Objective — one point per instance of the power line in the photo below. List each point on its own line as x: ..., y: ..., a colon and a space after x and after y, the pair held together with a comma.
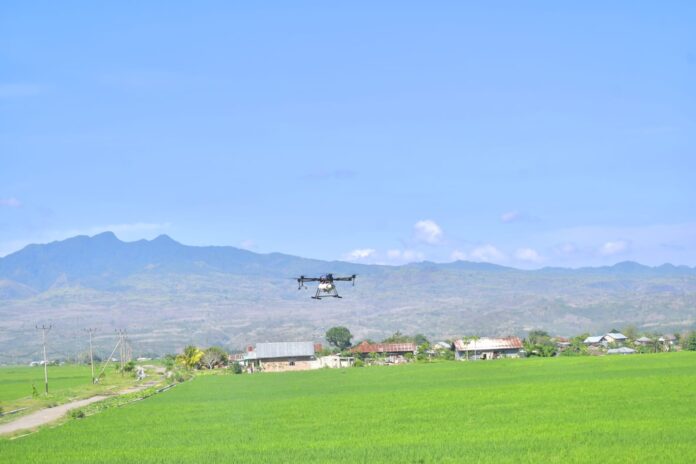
x: 106, y: 363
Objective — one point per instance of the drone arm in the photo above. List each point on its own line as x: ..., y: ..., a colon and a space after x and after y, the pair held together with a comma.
x: 346, y: 279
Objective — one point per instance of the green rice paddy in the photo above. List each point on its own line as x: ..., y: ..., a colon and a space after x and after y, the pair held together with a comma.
x: 622, y: 409
x: 16, y: 382
x: 66, y: 382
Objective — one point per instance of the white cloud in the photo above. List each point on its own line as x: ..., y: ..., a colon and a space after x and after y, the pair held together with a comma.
x: 10, y: 202
x: 428, y: 231
x: 487, y: 253
x: 566, y: 249
x: 510, y: 216
x: 247, y: 244
x: 527, y: 254
x: 128, y: 231
x: 394, y: 254
x: 613, y: 248
x: 360, y: 254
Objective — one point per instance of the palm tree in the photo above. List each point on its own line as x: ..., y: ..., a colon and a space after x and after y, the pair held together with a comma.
x: 465, y: 342
x: 474, y: 338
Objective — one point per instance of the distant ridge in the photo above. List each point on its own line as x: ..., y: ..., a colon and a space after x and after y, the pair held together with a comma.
x: 89, y: 260
x: 168, y: 294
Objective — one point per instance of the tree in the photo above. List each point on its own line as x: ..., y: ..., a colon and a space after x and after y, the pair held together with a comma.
x: 214, y: 356
x: 538, y: 337
x: 465, y: 340
x: 538, y: 343
x: 190, y: 357
x: 424, y: 352
x: 398, y: 337
x: 129, y: 366
x: 631, y: 332
x: 690, y: 342
x: 339, y: 337
x: 474, y: 339
x: 420, y: 339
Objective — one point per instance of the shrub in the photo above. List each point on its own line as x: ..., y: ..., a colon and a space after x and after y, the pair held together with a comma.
x: 129, y: 367
x: 690, y: 342
x: 237, y: 368
x: 358, y: 363
x: 77, y: 414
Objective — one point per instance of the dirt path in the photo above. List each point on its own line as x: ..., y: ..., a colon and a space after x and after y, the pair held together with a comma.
x: 44, y: 416
x: 48, y: 415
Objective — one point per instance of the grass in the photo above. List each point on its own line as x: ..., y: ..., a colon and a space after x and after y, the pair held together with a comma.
x: 66, y: 382
x: 628, y: 409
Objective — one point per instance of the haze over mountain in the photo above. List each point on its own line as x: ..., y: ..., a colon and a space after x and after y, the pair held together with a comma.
x: 168, y: 295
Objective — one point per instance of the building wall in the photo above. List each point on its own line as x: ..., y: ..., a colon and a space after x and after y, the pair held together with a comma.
x: 488, y: 354
x: 286, y: 365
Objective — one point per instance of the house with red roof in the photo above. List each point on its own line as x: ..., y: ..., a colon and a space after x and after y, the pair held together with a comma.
x: 391, y: 352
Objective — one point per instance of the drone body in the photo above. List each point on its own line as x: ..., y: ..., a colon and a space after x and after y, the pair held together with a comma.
x: 326, y: 287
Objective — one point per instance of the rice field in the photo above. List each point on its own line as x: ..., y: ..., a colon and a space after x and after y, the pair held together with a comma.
x: 625, y: 409
x: 65, y: 382
x: 16, y: 382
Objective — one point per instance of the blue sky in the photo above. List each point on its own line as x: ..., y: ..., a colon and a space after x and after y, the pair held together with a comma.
x: 528, y: 135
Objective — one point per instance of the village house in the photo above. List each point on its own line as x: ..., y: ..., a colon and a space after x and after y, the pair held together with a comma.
x: 615, y: 337
x: 440, y: 346
x: 643, y: 341
x: 622, y: 350
x: 561, y: 343
x: 394, y: 353
x: 487, y: 348
x: 604, y: 340
x: 335, y: 361
x: 594, y: 340
x: 668, y: 339
x: 281, y: 356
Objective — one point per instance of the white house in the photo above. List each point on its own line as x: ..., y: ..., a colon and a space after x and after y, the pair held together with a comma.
x: 615, y: 337
x: 488, y: 348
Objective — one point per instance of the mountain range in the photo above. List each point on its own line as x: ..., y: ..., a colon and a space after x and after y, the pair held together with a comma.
x: 167, y: 295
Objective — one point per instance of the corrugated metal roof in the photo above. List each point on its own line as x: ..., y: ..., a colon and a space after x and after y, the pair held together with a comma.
x: 616, y: 335
x: 622, y: 350
x: 644, y: 340
x: 282, y: 350
x: 596, y: 339
x: 487, y: 344
x: 365, y: 347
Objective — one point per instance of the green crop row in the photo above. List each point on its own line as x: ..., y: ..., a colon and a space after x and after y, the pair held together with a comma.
x: 627, y: 409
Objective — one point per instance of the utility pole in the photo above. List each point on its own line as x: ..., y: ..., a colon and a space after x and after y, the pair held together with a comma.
x: 91, y: 356
x: 44, y: 330
x: 122, y: 352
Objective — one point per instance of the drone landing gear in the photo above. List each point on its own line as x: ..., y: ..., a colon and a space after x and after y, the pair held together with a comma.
x: 332, y: 294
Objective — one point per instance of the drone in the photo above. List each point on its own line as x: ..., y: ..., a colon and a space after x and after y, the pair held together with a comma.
x: 326, y: 287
